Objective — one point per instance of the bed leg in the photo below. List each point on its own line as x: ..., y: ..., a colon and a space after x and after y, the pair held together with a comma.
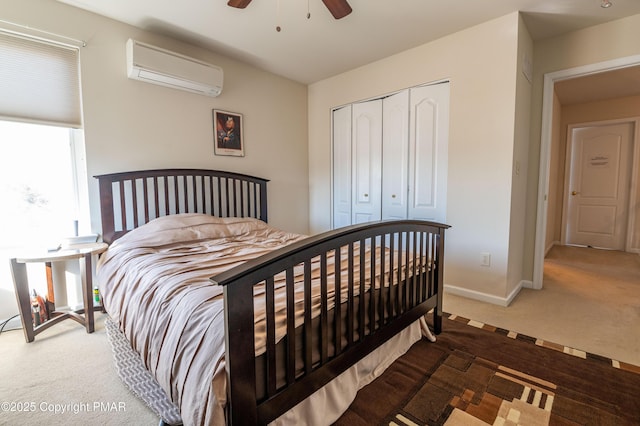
x: 437, y: 322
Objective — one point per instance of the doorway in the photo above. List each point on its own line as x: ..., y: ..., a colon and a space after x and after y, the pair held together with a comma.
x: 547, y: 136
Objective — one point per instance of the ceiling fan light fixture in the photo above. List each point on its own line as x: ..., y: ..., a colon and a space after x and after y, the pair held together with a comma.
x: 338, y: 8
x: 606, y: 4
x: 240, y: 4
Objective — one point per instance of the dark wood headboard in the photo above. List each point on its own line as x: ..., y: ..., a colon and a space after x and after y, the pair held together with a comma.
x: 131, y: 199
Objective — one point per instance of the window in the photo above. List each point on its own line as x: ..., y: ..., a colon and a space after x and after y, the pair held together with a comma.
x: 39, y: 83
x: 37, y: 184
x: 42, y: 168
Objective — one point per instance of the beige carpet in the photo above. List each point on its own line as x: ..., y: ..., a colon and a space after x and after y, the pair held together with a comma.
x: 590, y: 301
x: 65, y: 377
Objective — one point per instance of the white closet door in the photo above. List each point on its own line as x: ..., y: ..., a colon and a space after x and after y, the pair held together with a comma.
x: 395, y: 155
x: 429, y: 138
x: 342, y: 167
x: 366, y: 142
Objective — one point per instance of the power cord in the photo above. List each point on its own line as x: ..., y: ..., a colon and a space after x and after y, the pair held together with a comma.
x: 7, y: 321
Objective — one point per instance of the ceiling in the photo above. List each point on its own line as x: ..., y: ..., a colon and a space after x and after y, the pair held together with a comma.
x: 309, y: 50
x: 595, y: 87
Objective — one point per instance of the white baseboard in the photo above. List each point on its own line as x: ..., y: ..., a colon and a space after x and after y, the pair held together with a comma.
x: 526, y: 284
x: 488, y: 298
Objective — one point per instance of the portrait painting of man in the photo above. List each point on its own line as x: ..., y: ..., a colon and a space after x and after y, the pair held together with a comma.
x: 227, y: 133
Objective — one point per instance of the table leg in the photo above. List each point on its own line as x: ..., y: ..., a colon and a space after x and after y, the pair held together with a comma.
x: 50, y: 301
x: 21, y: 284
x: 87, y: 291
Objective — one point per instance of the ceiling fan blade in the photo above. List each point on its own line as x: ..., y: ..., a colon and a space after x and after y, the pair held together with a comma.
x: 338, y: 8
x: 240, y: 4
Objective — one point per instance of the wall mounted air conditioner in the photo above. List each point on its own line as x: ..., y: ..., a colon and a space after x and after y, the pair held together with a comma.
x: 160, y: 66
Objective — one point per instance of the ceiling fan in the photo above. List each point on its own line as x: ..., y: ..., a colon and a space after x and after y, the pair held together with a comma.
x: 338, y: 8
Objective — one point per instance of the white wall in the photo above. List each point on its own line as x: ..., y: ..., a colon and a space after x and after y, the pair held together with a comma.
x: 520, y: 152
x: 481, y: 63
x: 131, y: 125
x: 556, y: 179
x: 134, y: 125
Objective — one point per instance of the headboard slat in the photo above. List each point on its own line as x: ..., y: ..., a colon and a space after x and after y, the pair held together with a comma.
x: 176, y: 194
x: 134, y: 202
x: 235, y: 193
x: 145, y: 190
x: 123, y: 208
x: 202, y: 195
x: 227, y: 197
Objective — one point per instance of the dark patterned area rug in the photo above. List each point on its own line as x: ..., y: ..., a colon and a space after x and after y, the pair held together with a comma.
x: 476, y: 374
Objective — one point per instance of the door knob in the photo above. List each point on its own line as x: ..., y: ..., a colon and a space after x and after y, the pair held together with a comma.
x: 574, y: 193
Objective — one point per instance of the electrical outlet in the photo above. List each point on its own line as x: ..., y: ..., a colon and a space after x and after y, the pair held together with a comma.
x: 485, y: 259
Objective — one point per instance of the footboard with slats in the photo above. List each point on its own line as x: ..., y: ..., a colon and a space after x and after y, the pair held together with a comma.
x: 385, y: 276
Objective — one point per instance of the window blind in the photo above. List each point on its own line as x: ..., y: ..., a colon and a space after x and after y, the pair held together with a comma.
x: 39, y: 81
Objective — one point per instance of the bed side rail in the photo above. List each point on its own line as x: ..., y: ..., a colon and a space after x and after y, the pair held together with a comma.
x: 390, y: 275
x: 131, y: 199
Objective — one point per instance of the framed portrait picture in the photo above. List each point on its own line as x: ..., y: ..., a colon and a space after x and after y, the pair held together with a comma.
x: 227, y: 133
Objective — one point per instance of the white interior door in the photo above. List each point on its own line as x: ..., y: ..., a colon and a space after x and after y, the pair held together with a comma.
x: 597, y: 194
x: 342, y: 167
x: 428, y: 152
x: 395, y: 155
x: 366, y: 143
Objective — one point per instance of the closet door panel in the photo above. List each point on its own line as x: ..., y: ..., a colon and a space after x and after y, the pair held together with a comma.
x: 366, y: 144
x: 395, y: 155
x: 342, y: 167
x: 429, y: 134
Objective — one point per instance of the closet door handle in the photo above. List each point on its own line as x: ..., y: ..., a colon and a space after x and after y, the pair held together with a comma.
x: 366, y: 195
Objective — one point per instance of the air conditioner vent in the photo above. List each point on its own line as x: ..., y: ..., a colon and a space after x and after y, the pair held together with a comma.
x: 160, y: 66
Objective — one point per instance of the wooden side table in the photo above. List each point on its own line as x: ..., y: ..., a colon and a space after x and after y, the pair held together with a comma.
x: 83, y: 252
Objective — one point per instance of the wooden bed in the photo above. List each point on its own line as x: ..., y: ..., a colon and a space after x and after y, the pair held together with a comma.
x: 399, y: 282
